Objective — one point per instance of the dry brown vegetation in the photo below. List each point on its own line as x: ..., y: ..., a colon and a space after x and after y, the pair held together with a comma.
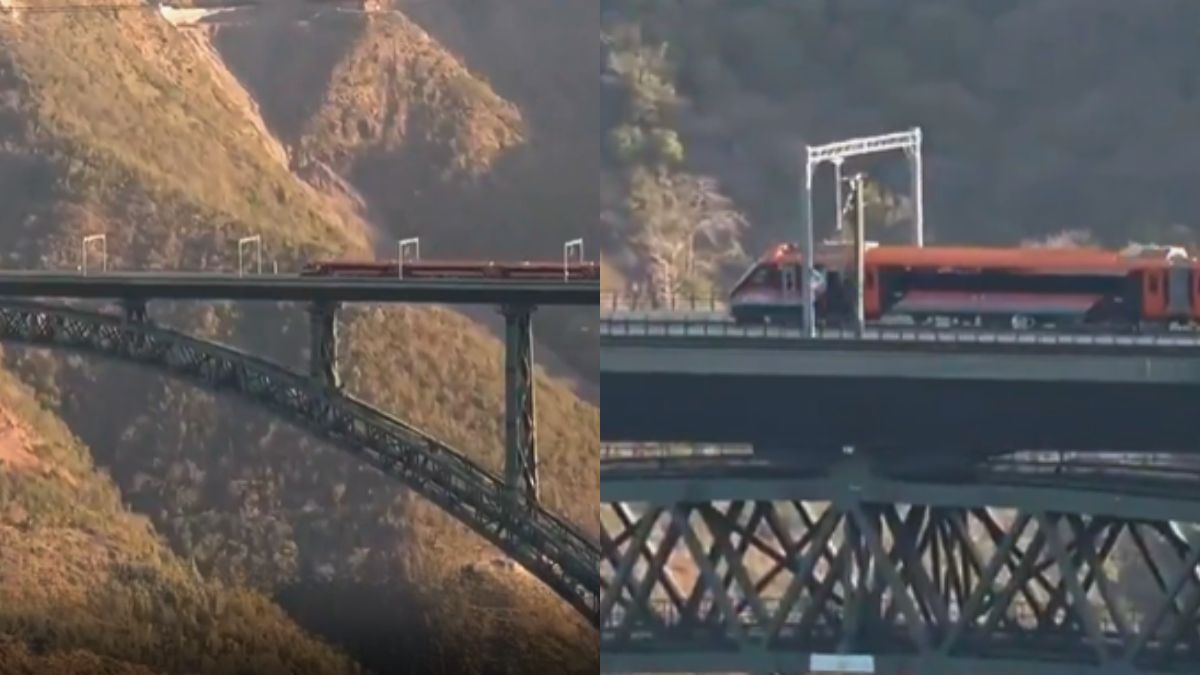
x: 610, y: 278
x: 399, y: 90
x: 84, y: 583
x: 127, y: 128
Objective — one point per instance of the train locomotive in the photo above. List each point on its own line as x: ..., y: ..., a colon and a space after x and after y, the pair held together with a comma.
x: 1143, y: 287
x: 455, y: 269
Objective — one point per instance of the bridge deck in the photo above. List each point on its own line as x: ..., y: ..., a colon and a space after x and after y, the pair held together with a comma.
x: 970, y: 390
x: 281, y: 287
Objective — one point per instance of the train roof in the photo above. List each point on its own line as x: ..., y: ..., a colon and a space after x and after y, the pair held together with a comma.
x: 457, y: 263
x: 981, y: 256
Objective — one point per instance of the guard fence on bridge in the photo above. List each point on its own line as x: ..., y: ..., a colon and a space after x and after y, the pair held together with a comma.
x: 685, y: 317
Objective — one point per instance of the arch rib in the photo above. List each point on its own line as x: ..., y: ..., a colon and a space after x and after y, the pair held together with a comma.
x: 547, y: 546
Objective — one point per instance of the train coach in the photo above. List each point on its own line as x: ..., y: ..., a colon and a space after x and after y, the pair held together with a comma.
x: 446, y: 269
x: 1138, y: 288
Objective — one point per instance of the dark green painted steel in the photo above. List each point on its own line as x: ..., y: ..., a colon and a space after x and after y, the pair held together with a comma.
x: 1125, y: 494
x: 550, y: 548
x: 928, y: 577
x: 293, y: 288
x: 943, y: 360
x: 520, y: 420
x: 323, y: 348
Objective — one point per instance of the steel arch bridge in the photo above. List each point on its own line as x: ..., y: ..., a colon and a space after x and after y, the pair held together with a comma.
x: 551, y: 549
x: 1010, y: 571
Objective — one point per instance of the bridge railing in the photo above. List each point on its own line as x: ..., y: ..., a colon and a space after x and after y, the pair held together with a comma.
x: 684, y: 325
x: 617, y: 451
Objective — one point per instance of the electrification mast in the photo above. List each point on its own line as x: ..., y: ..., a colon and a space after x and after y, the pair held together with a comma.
x: 836, y: 153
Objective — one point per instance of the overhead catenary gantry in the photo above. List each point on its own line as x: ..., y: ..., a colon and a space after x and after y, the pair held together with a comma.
x: 413, y: 245
x: 83, y: 252
x: 255, y: 241
x: 836, y: 153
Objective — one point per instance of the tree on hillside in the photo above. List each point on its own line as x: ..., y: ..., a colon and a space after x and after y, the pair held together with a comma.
x: 684, y: 228
x: 679, y: 224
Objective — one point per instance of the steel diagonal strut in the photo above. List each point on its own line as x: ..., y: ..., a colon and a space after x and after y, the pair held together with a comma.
x: 953, y: 588
x: 546, y: 545
x: 520, y: 427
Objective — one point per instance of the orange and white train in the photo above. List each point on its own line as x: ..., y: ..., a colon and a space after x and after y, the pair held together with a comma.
x: 1141, y: 287
x: 456, y: 269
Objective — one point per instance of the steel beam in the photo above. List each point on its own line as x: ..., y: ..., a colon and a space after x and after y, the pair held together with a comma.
x: 323, y: 344
x: 905, y: 587
x: 520, y: 423
x: 552, y: 549
x: 1155, y: 494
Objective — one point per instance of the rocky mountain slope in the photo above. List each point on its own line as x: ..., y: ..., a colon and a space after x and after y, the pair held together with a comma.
x: 404, y: 117
x: 135, y: 128
x: 85, y: 583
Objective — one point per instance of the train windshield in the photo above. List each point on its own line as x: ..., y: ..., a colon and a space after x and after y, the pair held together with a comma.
x: 760, y: 275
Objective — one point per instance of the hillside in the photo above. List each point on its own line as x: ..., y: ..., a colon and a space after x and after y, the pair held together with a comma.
x: 86, y: 583
x: 1039, y: 115
x: 135, y: 129
x: 502, y: 169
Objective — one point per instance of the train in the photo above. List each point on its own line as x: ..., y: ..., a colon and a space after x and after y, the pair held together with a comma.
x: 455, y: 269
x: 1139, y: 288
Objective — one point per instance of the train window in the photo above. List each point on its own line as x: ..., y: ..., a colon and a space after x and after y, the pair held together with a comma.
x: 870, y: 279
x: 1153, y: 285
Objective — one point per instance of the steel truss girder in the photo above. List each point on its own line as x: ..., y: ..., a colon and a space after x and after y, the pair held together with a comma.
x: 520, y: 427
x: 971, y: 589
x: 323, y: 347
x: 549, y: 547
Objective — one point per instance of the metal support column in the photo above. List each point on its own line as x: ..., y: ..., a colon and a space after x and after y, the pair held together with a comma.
x: 860, y: 252
x: 520, y: 430
x: 837, y: 197
x: 323, y: 342
x: 806, y: 283
x: 918, y: 189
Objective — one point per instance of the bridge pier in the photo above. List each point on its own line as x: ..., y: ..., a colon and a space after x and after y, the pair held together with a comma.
x: 520, y: 426
x: 323, y: 338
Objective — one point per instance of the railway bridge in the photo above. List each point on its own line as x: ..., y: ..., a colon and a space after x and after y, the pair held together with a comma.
x: 897, y: 500
x: 504, y: 510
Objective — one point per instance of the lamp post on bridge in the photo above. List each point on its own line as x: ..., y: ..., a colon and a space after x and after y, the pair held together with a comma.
x: 908, y: 141
x: 857, y: 182
x: 242, y: 243
x: 83, y: 262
